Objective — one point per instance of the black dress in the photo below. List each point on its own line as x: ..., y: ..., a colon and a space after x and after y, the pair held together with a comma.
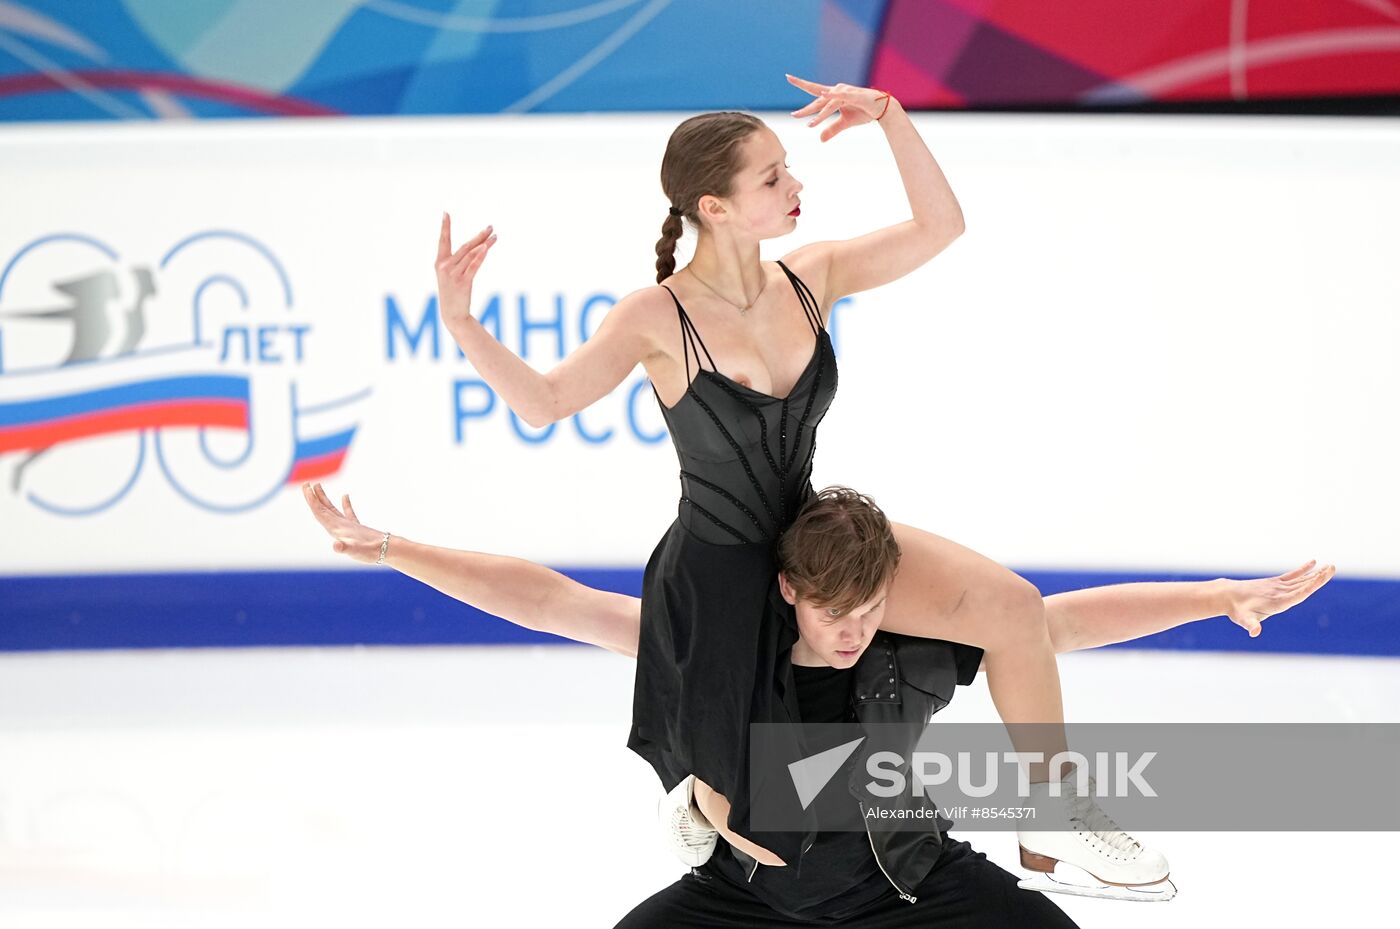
x: 716, y: 637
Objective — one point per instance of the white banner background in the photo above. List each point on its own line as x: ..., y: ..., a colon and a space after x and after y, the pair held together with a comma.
x: 1163, y: 343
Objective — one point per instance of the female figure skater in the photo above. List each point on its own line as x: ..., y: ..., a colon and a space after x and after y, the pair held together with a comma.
x: 840, y: 551
x: 741, y: 363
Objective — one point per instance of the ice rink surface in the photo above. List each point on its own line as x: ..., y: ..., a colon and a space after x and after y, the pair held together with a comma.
x: 490, y: 786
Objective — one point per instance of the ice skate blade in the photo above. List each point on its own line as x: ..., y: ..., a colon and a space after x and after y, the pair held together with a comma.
x: 1160, y: 892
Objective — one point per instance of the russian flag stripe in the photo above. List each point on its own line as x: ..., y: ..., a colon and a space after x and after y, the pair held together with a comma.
x: 231, y: 414
x: 309, y: 469
x: 185, y: 389
x: 317, y: 448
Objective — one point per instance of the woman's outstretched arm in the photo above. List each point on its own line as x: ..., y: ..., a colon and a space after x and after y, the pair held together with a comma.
x: 885, y: 255
x: 622, y: 341
x: 521, y: 592
x: 1122, y: 612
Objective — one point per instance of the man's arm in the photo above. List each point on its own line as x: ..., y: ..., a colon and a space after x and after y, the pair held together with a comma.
x: 1098, y: 616
x: 521, y: 592
x: 1123, y: 612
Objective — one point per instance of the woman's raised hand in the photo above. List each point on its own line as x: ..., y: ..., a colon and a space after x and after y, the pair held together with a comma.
x: 858, y: 105
x: 1252, y: 602
x: 455, y: 271
x: 352, y: 538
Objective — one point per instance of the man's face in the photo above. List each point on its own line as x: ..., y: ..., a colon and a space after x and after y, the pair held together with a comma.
x: 829, y: 637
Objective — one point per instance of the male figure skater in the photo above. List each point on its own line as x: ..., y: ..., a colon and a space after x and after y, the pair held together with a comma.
x: 836, y: 562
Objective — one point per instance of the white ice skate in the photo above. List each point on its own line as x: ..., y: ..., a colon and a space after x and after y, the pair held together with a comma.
x: 684, y: 827
x: 1085, y: 853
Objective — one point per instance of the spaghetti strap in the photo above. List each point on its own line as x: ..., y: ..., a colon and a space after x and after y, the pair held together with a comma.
x: 810, y: 307
x: 691, y: 343
x: 690, y: 339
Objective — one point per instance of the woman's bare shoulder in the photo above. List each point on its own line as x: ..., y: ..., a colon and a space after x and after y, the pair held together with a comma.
x: 810, y: 263
x: 649, y: 311
x: 646, y: 305
x: 813, y: 258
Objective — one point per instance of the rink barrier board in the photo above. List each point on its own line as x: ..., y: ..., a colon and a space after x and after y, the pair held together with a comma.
x: 375, y: 607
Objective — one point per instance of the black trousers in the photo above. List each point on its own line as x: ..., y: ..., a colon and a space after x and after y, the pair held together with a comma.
x: 964, y: 890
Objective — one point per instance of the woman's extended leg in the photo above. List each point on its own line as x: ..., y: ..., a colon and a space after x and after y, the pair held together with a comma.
x: 715, y: 808
x: 946, y: 591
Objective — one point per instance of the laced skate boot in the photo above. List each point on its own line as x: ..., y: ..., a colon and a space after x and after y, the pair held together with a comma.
x: 684, y: 828
x: 1104, y: 860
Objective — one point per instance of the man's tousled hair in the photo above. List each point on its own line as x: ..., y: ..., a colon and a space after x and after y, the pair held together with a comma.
x: 840, y: 551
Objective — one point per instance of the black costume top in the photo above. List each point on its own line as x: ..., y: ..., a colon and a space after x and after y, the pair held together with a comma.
x: 848, y: 874
x: 712, y: 639
x: 746, y: 456
x: 837, y: 876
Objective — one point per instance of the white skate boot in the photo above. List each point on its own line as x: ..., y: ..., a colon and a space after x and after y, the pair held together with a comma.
x: 684, y: 828
x: 1095, y: 858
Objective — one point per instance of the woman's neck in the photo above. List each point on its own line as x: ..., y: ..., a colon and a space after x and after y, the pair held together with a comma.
x: 731, y: 268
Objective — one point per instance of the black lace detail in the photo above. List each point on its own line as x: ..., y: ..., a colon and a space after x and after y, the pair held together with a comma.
x: 743, y: 459
x: 782, y: 432
x: 773, y: 465
x: 714, y: 519
x: 768, y: 516
x: 807, y: 410
x: 806, y: 470
x: 737, y: 503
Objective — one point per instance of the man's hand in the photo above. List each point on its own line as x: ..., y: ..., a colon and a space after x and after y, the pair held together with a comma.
x: 1252, y: 602
x: 352, y: 538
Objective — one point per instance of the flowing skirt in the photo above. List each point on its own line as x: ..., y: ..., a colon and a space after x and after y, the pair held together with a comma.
x: 714, y: 655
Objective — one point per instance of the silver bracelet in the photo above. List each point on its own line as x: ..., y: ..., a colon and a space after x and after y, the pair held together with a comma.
x: 383, y: 549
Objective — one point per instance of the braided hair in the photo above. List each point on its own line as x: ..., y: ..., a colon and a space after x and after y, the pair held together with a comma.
x: 702, y: 157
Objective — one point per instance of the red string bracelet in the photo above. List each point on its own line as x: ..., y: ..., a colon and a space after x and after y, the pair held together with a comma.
x: 887, y: 103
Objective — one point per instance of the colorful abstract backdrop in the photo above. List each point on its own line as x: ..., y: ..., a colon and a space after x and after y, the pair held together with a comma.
x: 151, y: 59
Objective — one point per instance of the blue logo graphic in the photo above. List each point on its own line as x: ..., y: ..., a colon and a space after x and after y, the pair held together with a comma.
x: 197, y: 364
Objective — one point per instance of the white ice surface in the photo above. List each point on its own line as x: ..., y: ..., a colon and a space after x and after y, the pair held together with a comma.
x: 490, y: 786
